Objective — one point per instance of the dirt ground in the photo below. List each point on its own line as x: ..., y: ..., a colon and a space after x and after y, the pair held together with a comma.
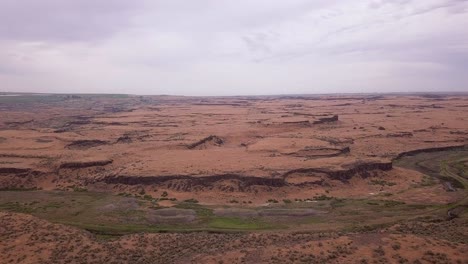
x: 237, y: 145
x: 25, y: 239
x: 223, y: 152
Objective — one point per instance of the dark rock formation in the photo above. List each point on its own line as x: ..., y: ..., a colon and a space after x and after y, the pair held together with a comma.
x: 315, y: 152
x: 326, y: 120
x: 400, y: 134
x: 217, y: 141
x: 435, y: 149
x: 187, y: 183
x: 14, y: 170
x: 236, y: 182
x: 301, y: 123
x: 84, y: 164
x: 344, y: 175
x: 85, y: 144
x: 124, y: 139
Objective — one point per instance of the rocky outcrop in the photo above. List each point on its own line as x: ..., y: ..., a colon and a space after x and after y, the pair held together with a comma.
x: 225, y: 182
x: 14, y: 170
x: 15, y: 174
x: 84, y: 164
x: 312, y: 153
x: 344, y: 175
x: 85, y: 144
x: 300, y: 123
x: 435, y: 149
x: 400, y: 134
x: 125, y: 139
x: 324, y: 120
x: 214, y: 140
x: 236, y: 182
x: 17, y: 123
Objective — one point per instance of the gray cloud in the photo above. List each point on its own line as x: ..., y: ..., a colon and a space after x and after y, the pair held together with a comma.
x: 212, y: 47
x: 67, y: 20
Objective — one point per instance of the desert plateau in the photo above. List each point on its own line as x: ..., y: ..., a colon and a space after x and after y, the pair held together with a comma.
x: 354, y: 178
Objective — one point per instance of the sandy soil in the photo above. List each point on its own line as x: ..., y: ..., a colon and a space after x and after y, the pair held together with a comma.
x: 26, y: 239
x: 165, y: 143
x: 247, y: 150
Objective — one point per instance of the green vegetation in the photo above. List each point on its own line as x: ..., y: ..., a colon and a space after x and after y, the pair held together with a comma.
x: 238, y: 223
x: 322, y: 197
x: 16, y: 189
x: 192, y: 200
x: 79, y: 189
x: 147, y: 197
x: 107, y: 215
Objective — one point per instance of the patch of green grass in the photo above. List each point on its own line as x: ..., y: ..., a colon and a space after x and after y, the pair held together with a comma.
x: 322, y: 197
x: 391, y: 203
x: 337, y: 203
x: 192, y: 200
x: 427, y: 181
x: 79, y: 189
x: 202, y: 212
x: 237, y: 223
x: 17, y: 207
x: 455, y: 183
x: 51, y: 206
x: 19, y: 189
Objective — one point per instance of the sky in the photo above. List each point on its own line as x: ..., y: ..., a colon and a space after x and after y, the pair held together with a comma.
x: 233, y: 47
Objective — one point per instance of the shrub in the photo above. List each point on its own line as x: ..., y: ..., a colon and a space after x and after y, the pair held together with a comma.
x: 79, y: 189
x: 322, y: 197
x: 396, y: 246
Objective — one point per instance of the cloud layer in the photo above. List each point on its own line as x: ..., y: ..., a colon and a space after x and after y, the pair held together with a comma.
x: 221, y: 47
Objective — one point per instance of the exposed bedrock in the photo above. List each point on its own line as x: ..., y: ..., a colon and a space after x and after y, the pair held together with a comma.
x: 19, y: 178
x: 344, y: 175
x: 320, y: 152
x: 214, y: 140
x: 326, y: 120
x: 20, y: 172
x: 236, y: 182
x: 125, y: 139
x: 85, y: 144
x: 15, y: 170
x: 204, y: 181
x: 427, y: 150
x: 84, y: 164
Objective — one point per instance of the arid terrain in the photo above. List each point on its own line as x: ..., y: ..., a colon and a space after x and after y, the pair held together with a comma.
x: 267, y: 179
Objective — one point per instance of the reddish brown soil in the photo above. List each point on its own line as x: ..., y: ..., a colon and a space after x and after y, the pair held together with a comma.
x: 245, y: 148
x: 26, y: 239
x: 251, y: 149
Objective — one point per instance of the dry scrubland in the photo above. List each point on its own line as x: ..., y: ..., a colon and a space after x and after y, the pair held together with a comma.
x: 280, y: 179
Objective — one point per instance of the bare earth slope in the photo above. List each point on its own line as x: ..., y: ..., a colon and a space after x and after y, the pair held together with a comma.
x: 353, y: 168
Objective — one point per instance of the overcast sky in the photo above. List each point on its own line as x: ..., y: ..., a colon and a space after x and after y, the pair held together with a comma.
x: 233, y: 47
